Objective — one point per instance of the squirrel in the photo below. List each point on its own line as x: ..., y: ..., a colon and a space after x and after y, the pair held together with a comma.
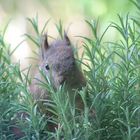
x: 58, y: 63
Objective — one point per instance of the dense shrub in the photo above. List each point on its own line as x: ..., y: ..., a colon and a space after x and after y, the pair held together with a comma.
x: 112, y: 70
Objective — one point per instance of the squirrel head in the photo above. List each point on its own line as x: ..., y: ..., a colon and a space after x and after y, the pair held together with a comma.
x: 58, y: 60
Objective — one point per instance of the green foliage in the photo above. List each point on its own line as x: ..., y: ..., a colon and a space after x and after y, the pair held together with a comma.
x: 112, y: 109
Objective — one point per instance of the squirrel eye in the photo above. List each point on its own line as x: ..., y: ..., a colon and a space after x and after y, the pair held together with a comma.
x: 47, y: 67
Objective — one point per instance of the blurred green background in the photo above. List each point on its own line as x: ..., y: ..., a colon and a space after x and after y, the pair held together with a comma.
x: 71, y: 12
x: 64, y: 9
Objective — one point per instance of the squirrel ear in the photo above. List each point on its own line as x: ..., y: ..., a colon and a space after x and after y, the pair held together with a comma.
x: 44, y: 41
x: 44, y: 44
x: 66, y: 39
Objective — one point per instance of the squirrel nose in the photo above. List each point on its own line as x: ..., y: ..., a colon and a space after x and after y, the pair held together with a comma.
x: 61, y: 80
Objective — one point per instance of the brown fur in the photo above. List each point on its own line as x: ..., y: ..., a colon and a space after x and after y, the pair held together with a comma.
x: 60, y: 59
